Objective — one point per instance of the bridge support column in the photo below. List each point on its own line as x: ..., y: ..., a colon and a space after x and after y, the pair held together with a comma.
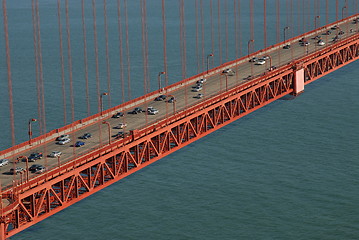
x: 298, y: 84
x: 2, y: 230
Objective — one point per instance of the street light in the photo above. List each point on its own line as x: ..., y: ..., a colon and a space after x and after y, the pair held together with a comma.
x: 209, y: 55
x: 30, y: 129
x: 174, y: 102
x: 109, y: 131
x: 159, y: 79
x: 270, y: 62
x: 284, y: 33
x: 101, y: 101
x: 315, y: 21
x: 343, y: 11
x: 249, y: 43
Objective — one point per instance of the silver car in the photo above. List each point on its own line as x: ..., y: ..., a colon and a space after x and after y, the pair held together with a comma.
x: 4, y: 162
x: 55, y: 154
x: 64, y: 141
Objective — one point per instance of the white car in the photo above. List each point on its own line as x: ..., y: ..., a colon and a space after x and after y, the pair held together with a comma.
x: 197, y: 89
x: 4, y: 162
x: 321, y: 43
x: 152, y: 111
x: 64, y: 141
x: 201, y: 81
x: 62, y: 137
x: 121, y: 125
x: 260, y: 62
x: 55, y: 154
x: 199, y: 96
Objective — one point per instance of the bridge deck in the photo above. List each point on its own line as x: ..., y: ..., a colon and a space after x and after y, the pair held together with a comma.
x: 185, y: 97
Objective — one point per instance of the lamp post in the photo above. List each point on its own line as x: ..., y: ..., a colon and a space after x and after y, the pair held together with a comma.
x: 30, y: 129
x: 284, y: 33
x: 315, y: 21
x: 249, y: 43
x: 159, y: 79
x: 343, y: 11
x: 208, y: 56
x: 58, y: 160
x: 109, y: 131
x: 270, y: 62
x: 101, y: 100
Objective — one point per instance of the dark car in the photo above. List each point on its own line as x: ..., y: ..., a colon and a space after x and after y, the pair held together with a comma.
x: 34, y: 156
x: 85, y: 136
x: 136, y: 110
x: 34, y: 167
x: 287, y: 46
x: 161, y: 98
x: 40, y: 169
x: 171, y: 100
x: 118, y: 115
x: 17, y: 170
x: 120, y: 135
x: 79, y: 143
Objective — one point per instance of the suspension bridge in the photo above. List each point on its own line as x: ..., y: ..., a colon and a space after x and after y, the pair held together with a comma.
x: 137, y: 129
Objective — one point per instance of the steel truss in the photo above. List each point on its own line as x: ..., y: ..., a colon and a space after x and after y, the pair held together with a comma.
x: 32, y: 205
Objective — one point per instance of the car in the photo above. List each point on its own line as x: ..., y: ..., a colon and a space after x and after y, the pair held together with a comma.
x: 229, y: 72
x: 62, y: 137
x: 266, y: 57
x: 161, y: 98
x: 334, y: 27
x: 118, y: 115
x: 86, y: 136
x: 336, y: 38
x: 34, y: 156
x: 64, y: 141
x: 17, y: 170
x: 201, y: 81
x: 253, y: 59
x: 136, y: 110
x: 79, y: 143
x: 341, y: 32
x: 119, y: 135
x: 260, y: 62
x: 4, y: 162
x: 317, y: 37
x: 272, y: 68
x: 54, y: 154
x: 121, y: 125
x: 199, y: 96
x: 287, y: 46
x: 152, y: 111
x: 197, y: 89
x: 40, y: 169
x: 304, y: 43
x: 250, y: 77
x: 171, y: 100
x: 34, y: 167
x: 328, y: 32
x: 321, y: 43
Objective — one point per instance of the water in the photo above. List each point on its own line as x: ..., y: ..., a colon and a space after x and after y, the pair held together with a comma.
x: 286, y: 171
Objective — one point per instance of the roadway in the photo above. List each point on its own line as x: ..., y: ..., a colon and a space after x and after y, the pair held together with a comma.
x: 185, y: 97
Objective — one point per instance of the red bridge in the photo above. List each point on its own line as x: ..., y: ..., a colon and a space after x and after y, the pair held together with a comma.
x: 189, y: 110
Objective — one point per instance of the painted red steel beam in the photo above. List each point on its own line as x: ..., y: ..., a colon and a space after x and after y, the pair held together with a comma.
x: 36, y: 200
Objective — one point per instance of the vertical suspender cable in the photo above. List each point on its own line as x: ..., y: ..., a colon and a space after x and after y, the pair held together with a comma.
x: 96, y: 56
x: 164, y: 41
x: 145, y: 47
x: 251, y: 19
x: 235, y: 27
x: 62, y: 61
x: 219, y: 31
x: 239, y: 27
x: 128, y: 55
x: 183, y: 45
x: 326, y: 12
x: 226, y: 26
x: 34, y: 26
x: 336, y: 9
x: 122, y: 75
x: 9, y: 79
x: 202, y: 34
x: 197, y: 47
x: 107, y: 54
x: 278, y: 21
x: 265, y: 23
x: 85, y: 57
x: 212, y: 28
x: 41, y: 78
x: 69, y: 61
